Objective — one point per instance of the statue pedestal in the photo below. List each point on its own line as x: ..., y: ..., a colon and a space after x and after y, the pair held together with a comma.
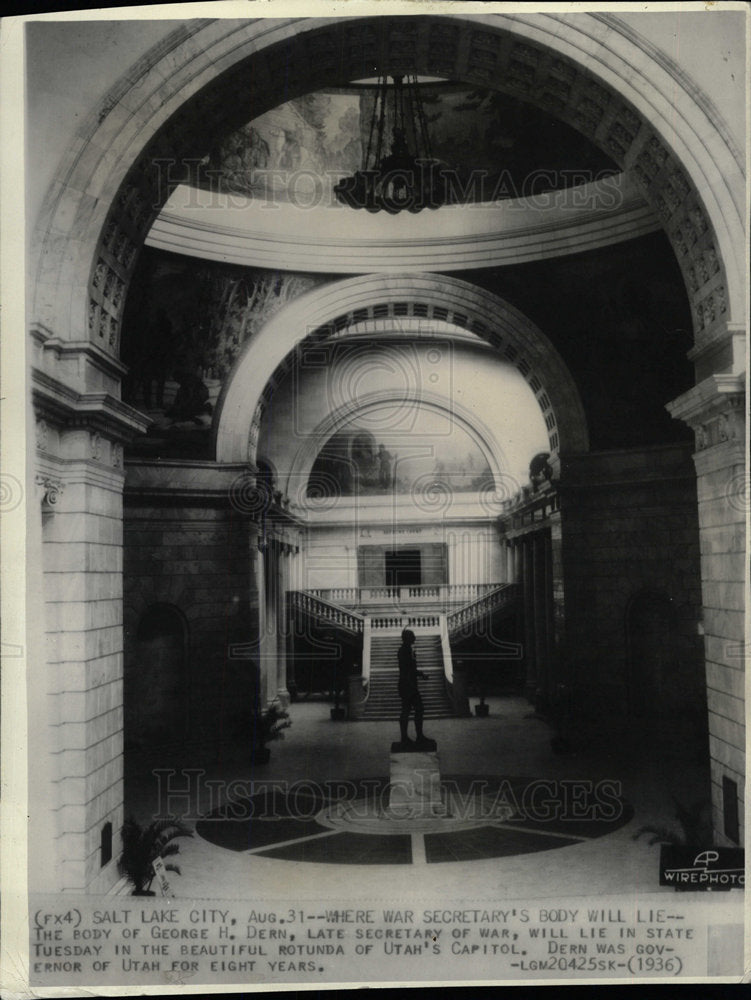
x: 415, y: 791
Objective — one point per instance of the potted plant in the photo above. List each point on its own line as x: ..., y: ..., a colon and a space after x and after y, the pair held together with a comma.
x: 270, y: 726
x: 143, y: 845
x: 695, y: 833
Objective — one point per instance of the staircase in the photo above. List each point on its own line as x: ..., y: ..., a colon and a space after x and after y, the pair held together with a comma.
x: 431, y: 612
x: 383, y: 698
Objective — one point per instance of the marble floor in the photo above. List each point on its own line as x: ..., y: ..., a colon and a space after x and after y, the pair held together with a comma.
x: 294, y: 858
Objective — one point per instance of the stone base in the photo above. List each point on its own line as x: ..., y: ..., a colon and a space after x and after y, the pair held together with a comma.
x: 414, y: 746
x: 415, y: 791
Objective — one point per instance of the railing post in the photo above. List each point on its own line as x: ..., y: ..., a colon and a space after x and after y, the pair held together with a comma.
x: 448, y: 665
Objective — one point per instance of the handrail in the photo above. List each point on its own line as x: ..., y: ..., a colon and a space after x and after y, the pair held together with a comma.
x: 502, y: 596
x: 309, y: 604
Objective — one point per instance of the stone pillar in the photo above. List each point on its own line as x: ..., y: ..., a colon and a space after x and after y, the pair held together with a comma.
x: 290, y: 624
x: 77, y: 796
x: 556, y: 561
x: 539, y: 606
x: 282, y: 623
x: 265, y: 695
x: 715, y: 409
x: 530, y: 650
x: 549, y: 615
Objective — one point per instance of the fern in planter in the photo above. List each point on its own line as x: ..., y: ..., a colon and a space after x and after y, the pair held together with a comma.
x: 270, y: 725
x: 143, y: 845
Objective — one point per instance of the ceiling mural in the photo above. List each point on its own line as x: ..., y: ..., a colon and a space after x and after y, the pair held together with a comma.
x: 495, y: 146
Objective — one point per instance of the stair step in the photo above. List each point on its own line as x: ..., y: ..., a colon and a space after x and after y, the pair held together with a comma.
x: 384, y: 704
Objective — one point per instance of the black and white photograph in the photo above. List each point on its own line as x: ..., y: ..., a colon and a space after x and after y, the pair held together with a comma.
x: 374, y: 495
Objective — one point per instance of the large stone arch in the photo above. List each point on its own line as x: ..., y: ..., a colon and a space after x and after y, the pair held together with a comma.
x: 590, y: 70
x: 405, y: 302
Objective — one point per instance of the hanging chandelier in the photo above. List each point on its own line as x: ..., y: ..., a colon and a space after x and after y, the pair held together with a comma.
x: 406, y: 178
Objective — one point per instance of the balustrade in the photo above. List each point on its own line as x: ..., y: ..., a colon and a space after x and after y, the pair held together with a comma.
x: 317, y: 607
x: 435, y: 594
x: 405, y: 621
x: 315, y: 604
x: 499, y: 598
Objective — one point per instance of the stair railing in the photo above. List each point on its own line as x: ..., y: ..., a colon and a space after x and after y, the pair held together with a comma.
x: 501, y: 597
x: 442, y: 593
x: 448, y: 664
x: 397, y: 622
x: 317, y: 607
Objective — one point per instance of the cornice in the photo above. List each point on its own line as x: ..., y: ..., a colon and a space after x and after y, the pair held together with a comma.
x: 335, y: 240
x: 63, y: 350
x: 100, y: 411
x: 714, y: 396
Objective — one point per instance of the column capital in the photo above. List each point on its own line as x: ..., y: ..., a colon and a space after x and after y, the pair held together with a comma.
x: 49, y: 490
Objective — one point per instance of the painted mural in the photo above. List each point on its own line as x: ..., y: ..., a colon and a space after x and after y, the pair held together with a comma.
x: 497, y: 147
x: 437, y: 456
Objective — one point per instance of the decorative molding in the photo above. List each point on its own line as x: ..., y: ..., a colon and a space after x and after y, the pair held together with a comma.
x: 42, y: 435
x: 73, y: 350
x: 98, y: 411
x: 715, y: 410
x: 240, y: 231
x: 49, y: 490
x: 529, y: 512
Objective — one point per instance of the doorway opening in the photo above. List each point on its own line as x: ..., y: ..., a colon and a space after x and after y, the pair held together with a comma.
x: 403, y: 568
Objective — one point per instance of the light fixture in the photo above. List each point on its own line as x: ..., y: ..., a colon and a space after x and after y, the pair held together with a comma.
x: 408, y: 177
